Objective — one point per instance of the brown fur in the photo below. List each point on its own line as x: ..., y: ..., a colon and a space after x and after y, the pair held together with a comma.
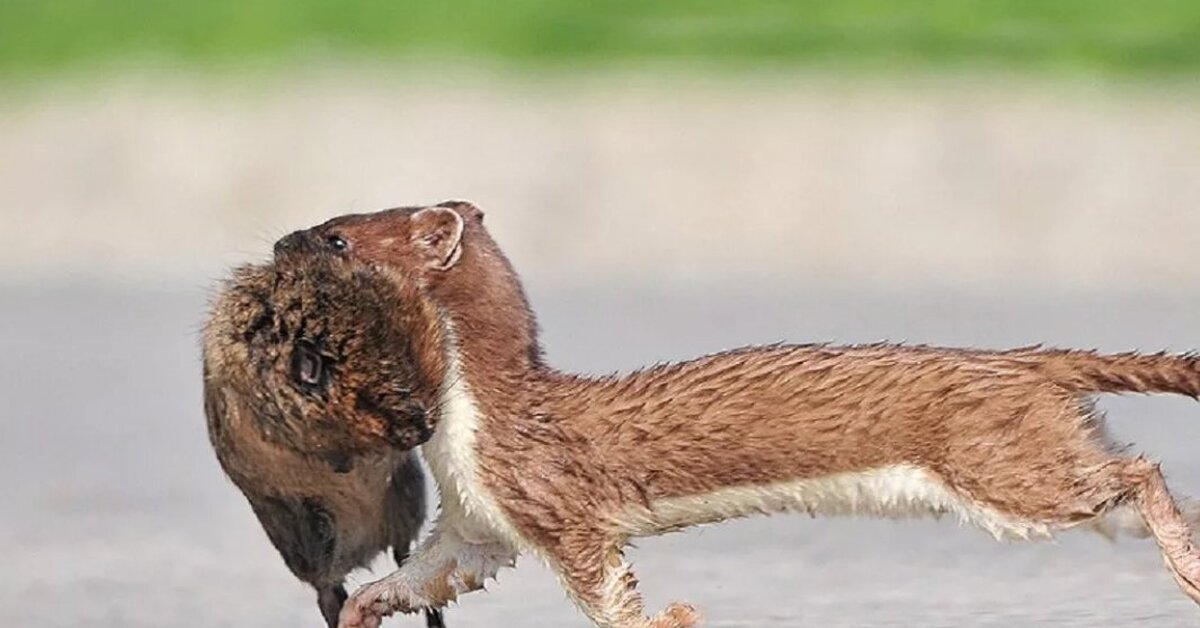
x: 328, y: 504
x: 579, y: 465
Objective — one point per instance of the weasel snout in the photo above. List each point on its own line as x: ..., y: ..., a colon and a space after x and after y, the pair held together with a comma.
x: 295, y: 242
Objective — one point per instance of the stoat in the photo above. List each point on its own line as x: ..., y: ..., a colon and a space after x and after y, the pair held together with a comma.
x: 528, y: 459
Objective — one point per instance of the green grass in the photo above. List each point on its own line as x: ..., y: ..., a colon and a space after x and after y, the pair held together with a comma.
x: 1118, y: 37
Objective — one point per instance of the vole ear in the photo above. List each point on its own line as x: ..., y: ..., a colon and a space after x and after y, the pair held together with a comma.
x: 438, y: 232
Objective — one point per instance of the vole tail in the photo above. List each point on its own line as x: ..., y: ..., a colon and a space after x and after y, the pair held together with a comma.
x: 1091, y: 372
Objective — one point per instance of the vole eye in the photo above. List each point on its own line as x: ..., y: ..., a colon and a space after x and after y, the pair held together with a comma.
x: 337, y: 242
x: 308, y: 365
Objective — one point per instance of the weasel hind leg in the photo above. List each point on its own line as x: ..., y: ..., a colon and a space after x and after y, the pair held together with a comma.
x: 1167, y: 525
x: 593, y: 569
x: 1126, y: 520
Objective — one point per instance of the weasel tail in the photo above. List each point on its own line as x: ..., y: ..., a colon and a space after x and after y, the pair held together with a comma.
x: 1091, y: 372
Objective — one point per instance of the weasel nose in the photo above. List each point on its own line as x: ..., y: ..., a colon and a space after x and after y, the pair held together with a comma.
x: 294, y: 242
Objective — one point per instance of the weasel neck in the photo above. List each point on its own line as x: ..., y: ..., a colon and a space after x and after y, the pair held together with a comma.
x: 495, y: 329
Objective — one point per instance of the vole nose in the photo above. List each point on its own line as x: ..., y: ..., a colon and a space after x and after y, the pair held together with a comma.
x: 417, y: 419
x: 417, y: 414
x: 294, y: 242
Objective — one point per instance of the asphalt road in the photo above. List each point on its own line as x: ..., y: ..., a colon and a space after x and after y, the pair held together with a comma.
x: 113, y: 512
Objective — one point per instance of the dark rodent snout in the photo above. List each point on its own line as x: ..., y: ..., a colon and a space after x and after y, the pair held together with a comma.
x: 406, y: 420
x: 415, y: 418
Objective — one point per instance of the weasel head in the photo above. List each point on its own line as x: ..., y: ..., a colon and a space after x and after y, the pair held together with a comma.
x: 420, y: 242
x: 327, y: 357
x: 446, y: 251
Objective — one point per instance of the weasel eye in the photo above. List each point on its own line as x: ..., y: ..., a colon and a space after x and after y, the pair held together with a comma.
x: 308, y: 366
x: 337, y: 242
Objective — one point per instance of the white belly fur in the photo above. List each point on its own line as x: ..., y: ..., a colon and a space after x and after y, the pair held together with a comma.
x: 467, y: 506
x: 893, y: 491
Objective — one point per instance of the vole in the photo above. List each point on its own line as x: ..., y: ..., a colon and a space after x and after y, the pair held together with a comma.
x: 569, y: 468
x: 325, y: 506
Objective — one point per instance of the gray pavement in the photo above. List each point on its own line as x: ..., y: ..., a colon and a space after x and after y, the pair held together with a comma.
x: 114, y: 513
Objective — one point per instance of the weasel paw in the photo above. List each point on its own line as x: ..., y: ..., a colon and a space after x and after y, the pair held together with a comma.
x: 356, y: 616
x: 370, y: 604
x: 677, y: 615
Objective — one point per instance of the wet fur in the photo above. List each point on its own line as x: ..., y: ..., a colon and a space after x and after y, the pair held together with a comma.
x: 327, y: 509
x: 569, y: 468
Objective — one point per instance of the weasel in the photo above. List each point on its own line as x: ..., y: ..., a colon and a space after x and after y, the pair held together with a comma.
x: 326, y: 510
x: 569, y: 468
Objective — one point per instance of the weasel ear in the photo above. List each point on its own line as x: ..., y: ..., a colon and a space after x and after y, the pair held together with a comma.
x: 466, y: 209
x: 438, y: 232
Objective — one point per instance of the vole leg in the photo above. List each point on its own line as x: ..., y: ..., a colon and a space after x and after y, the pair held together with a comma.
x: 441, y: 569
x: 1167, y: 524
x: 433, y: 616
x: 593, y: 569
x: 330, y: 599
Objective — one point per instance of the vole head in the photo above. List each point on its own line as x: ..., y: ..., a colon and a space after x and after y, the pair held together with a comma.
x: 326, y: 356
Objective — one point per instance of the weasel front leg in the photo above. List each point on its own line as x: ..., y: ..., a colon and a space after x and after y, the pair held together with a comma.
x: 592, y: 567
x: 441, y: 569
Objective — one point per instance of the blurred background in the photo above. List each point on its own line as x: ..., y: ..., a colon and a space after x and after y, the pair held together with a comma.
x: 670, y: 179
